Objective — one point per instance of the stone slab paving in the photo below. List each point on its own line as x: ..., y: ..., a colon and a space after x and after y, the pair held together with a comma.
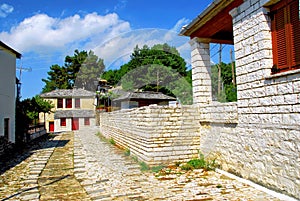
x: 107, y: 174
x: 57, y: 181
x: 81, y: 166
x: 20, y: 182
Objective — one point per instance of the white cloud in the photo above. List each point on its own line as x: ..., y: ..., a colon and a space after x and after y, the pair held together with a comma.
x: 5, y: 9
x: 117, y: 51
x: 110, y: 37
x: 176, y: 29
x: 43, y: 33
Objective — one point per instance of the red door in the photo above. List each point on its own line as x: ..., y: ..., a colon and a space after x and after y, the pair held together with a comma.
x: 51, y: 126
x: 75, y: 124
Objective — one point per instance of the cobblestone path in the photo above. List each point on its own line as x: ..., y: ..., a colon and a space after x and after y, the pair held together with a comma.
x: 57, y: 181
x: 82, y: 167
x: 107, y: 174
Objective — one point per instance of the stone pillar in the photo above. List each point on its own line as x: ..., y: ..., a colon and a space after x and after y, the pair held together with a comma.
x: 201, y: 71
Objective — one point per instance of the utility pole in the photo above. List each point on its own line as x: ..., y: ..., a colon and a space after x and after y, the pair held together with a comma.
x: 219, y: 72
x: 20, y: 77
x: 157, y: 80
x: 232, y: 68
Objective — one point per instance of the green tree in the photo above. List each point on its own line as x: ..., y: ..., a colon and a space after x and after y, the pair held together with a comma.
x: 27, y: 113
x: 90, y: 70
x: 87, y: 66
x: 36, y: 105
x: 160, y: 68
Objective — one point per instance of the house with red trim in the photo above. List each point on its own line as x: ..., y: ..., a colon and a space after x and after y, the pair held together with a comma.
x: 74, y: 109
x: 8, y: 91
x: 258, y: 136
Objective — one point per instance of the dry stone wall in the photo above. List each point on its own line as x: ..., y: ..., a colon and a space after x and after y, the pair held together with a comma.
x: 162, y: 134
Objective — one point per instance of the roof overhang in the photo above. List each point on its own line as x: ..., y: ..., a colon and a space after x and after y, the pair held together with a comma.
x: 18, y: 55
x: 214, y: 24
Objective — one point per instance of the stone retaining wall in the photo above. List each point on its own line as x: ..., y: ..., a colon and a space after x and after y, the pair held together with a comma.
x: 162, y: 134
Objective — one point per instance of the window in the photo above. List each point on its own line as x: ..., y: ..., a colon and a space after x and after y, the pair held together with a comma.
x: 285, y: 26
x: 63, y: 122
x: 6, y: 128
x: 86, y: 121
x: 60, y: 103
x: 68, y: 102
x: 77, y: 102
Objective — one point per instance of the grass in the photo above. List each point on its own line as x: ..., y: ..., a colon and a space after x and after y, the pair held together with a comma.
x: 112, y: 141
x: 200, y: 163
x: 127, y: 152
x: 144, y: 166
x: 158, y: 168
x: 104, y: 139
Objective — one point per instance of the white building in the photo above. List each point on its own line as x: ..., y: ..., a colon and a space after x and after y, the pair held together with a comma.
x: 74, y: 109
x: 8, y: 58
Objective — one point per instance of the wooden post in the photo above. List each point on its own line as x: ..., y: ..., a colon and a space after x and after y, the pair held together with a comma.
x: 232, y: 69
x: 219, y: 70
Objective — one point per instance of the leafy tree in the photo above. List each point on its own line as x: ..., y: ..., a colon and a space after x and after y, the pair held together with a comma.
x: 90, y: 70
x: 27, y: 113
x: 34, y: 106
x: 64, y: 77
x: 159, y: 68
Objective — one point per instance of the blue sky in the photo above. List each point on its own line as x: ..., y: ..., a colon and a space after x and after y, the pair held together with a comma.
x: 44, y: 32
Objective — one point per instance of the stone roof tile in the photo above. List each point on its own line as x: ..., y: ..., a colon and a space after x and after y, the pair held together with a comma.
x: 68, y: 93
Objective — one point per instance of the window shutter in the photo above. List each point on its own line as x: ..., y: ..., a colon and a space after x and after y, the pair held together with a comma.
x: 279, y: 39
x: 286, y: 35
x: 59, y: 103
x: 69, y: 103
x: 295, y: 33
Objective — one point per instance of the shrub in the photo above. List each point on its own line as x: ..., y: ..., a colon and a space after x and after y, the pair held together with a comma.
x: 112, y: 141
x: 200, y: 163
x: 127, y: 152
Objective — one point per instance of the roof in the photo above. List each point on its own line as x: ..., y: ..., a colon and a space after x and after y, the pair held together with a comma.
x: 214, y: 23
x: 144, y: 95
x: 73, y: 113
x: 3, y: 45
x: 58, y: 93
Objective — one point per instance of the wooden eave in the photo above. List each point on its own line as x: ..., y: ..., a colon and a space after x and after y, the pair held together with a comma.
x: 214, y: 24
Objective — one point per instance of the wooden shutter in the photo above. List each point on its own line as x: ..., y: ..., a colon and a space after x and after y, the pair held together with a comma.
x: 63, y: 122
x: 295, y: 33
x: 279, y: 39
x: 86, y: 121
x: 69, y: 103
x: 286, y: 35
x: 59, y: 103
x: 77, y: 102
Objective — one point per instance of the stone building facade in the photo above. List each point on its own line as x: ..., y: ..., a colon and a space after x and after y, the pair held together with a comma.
x: 264, y: 145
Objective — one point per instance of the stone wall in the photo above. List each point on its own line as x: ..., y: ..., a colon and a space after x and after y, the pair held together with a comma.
x: 155, y: 134
x: 163, y: 134
x: 267, y: 145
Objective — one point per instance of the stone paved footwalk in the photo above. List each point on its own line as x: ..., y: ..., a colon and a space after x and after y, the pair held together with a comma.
x: 80, y: 166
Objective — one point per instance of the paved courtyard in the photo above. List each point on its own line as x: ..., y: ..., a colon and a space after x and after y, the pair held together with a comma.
x: 80, y: 166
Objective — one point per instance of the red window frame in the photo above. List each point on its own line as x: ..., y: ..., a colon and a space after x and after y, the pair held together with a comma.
x: 285, y: 26
x: 63, y: 121
x: 60, y: 102
x: 86, y: 121
x: 77, y: 102
x: 68, y: 102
